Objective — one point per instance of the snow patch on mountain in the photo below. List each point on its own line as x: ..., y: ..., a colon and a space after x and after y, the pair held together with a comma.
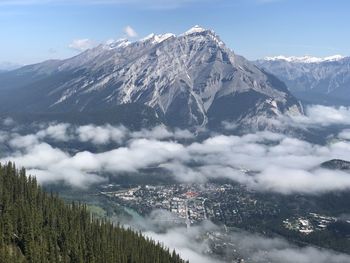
x: 114, y: 44
x: 195, y: 29
x: 156, y: 39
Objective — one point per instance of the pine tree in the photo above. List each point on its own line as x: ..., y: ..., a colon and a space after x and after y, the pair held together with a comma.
x: 40, y: 227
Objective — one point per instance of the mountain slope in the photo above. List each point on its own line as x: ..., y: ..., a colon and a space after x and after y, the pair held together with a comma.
x: 190, y: 80
x: 39, y: 227
x: 336, y: 164
x: 316, y: 80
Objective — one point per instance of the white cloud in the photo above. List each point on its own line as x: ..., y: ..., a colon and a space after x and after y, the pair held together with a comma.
x: 324, y: 116
x: 23, y: 142
x: 264, y: 161
x: 101, y: 134
x: 184, y: 242
x: 161, y: 132
x: 190, y: 243
x: 345, y: 134
x: 57, y: 132
x: 130, y: 32
x: 8, y: 122
x: 81, y: 44
x: 82, y: 168
x: 316, y: 116
x: 276, y: 250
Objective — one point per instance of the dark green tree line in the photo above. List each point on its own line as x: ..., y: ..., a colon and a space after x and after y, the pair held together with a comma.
x: 36, y: 226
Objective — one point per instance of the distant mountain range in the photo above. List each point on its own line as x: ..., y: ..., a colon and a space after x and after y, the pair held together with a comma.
x: 314, y: 80
x: 189, y: 80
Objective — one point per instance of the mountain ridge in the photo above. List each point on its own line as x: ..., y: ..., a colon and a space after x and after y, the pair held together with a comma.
x: 183, y: 78
x: 323, y: 81
x: 305, y: 59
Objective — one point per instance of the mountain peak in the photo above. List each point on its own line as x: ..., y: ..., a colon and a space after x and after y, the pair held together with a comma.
x: 155, y: 39
x: 195, y: 29
x: 191, y: 80
x: 112, y: 44
x: 148, y: 37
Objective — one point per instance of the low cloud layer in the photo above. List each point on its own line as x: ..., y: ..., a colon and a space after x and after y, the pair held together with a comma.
x: 317, y: 116
x: 264, y: 161
x: 325, y: 116
x: 275, y: 250
x: 189, y: 243
x: 193, y: 244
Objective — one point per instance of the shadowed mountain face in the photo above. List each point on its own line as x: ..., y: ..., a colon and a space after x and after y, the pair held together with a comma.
x: 336, y: 164
x: 189, y: 80
x: 320, y: 81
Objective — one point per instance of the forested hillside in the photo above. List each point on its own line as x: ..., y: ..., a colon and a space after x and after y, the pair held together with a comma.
x: 39, y: 227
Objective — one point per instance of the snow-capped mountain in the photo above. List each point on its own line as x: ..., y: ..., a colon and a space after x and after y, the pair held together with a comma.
x: 305, y: 59
x: 317, y: 80
x: 191, y: 79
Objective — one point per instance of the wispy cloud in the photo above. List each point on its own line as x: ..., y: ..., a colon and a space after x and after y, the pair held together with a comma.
x: 81, y: 44
x: 130, y: 32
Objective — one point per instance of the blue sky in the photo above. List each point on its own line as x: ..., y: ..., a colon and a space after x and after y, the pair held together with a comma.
x: 36, y: 30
